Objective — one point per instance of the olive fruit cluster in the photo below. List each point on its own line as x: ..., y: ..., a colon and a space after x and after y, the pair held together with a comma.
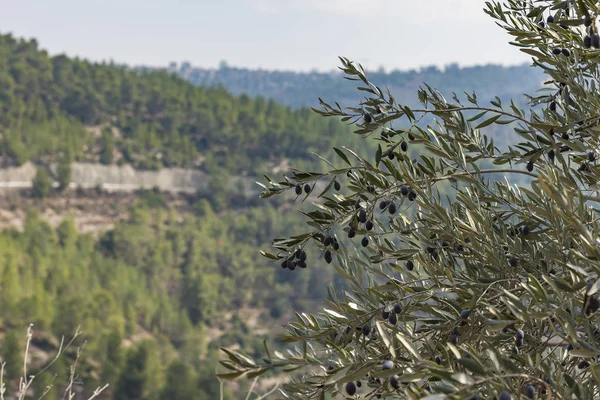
x: 565, y: 52
x: 307, y: 188
x: 453, y: 338
x: 390, y: 316
x: 362, y: 219
x: 390, y: 205
x: 591, y: 39
x: 298, y: 259
x: 333, y: 242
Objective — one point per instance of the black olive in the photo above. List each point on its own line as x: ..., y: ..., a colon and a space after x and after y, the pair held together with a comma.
x: 328, y: 257
x: 366, y: 329
x: 392, y: 208
x: 596, y: 40
x: 412, y: 195
x: 504, y: 396
x: 392, y: 319
x: 530, y: 166
x: 453, y: 338
x: 394, y: 382
x: 350, y: 388
x: 362, y: 216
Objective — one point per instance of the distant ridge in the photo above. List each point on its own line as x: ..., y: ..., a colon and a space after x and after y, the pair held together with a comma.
x: 299, y: 89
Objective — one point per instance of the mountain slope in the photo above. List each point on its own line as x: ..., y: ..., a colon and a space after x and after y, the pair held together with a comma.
x: 84, y: 111
x: 182, y: 279
x: 303, y: 89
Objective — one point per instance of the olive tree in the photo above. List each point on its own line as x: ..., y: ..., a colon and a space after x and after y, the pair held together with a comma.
x: 471, y: 270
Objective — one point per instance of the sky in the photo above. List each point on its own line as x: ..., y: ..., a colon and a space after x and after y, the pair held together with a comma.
x: 299, y: 35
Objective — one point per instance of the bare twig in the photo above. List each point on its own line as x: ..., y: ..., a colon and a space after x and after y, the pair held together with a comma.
x: 251, y: 388
x: 26, y: 381
x: 2, y: 385
x: 264, y: 396
x: 97, y: 392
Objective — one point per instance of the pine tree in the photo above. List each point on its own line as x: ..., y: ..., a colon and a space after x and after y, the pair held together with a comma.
x: 63, y: 170
x: 141, y: 376
x: 13, y: 357
x: 41, y: 184
x: 107, y: 145
x: 113, y: 358
x: 133, y: 381
x: 181, y: 382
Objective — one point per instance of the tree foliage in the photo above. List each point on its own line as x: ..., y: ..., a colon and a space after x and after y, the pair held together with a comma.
x: 41, y: 185
x: 64, y: 171
x: 12, y: 356
x: 158, y: 275
x: 487, y: 290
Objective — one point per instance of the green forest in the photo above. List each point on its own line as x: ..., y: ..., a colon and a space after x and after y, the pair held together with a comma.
x: 48, y: 104
x: 155, y: 276
x: 157, y: 295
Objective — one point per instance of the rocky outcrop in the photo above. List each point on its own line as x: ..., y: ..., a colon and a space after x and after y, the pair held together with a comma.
x: 17, y: 177
x: 125, y: 178
x: 113, y: 177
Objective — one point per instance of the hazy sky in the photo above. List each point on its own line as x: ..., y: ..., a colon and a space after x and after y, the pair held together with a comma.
x: 270, y: 34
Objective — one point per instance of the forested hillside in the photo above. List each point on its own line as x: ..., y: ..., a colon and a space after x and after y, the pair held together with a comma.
x: 301, y: 89
x: 148, y: 119
x: 178, y: 286
x: 159, y: 293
